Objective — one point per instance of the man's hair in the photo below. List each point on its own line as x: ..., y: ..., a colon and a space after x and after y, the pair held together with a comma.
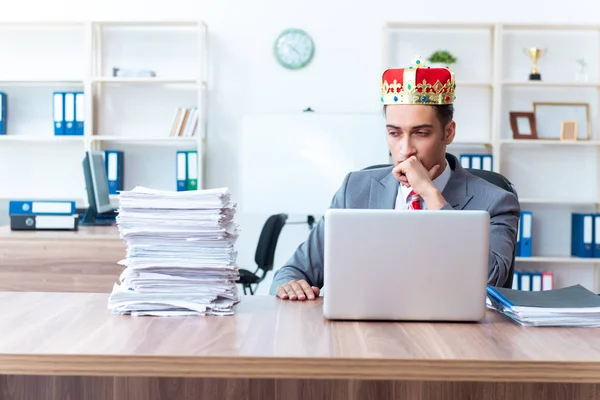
x: 444, y: 112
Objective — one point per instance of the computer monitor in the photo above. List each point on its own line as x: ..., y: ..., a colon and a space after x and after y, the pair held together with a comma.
x: 96, y: 184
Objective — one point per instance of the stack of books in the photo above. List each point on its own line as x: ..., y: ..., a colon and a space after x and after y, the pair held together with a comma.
x: 185, y: 122
x: 569, y: 306
x: 181, y: 256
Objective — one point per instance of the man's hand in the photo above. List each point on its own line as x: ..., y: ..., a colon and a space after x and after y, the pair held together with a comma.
x: 411, y: 172
x: 297, y: 290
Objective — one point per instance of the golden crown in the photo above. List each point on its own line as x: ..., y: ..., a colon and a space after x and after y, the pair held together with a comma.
x: 418, y: 84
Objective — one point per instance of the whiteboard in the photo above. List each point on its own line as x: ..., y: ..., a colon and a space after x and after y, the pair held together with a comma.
x: 294, y: 163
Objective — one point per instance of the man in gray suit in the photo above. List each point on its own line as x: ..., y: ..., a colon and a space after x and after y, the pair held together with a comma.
x: 419, y: 124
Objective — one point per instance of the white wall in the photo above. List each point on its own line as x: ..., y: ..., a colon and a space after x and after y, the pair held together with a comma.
x: 245, y: 78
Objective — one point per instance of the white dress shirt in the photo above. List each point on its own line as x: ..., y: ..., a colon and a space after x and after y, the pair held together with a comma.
x: 403, y: 197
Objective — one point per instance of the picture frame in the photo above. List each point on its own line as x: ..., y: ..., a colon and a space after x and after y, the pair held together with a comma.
x: 523, y: 125
x: 549, y: 118
x: 568, y: 130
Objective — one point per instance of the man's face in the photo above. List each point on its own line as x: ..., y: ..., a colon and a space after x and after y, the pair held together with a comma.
x: 415, y: 130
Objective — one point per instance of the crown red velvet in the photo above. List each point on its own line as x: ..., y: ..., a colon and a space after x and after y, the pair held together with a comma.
x: 418, y: 84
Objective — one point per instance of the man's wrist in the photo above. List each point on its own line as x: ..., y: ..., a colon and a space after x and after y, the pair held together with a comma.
x: 433, y: 198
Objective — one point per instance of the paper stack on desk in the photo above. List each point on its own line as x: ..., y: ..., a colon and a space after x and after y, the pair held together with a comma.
x: 569, y: 306
x: 181, y: 257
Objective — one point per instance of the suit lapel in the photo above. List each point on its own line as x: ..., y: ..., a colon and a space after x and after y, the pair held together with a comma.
x: 383, y: 192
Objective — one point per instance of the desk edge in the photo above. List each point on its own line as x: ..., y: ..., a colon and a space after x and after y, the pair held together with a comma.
x: 300, y: 368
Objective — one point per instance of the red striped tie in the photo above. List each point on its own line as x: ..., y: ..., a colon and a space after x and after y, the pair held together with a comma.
x: 415, y: 202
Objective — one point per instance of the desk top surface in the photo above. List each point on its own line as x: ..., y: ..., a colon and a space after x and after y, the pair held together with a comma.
x: 74, y: 333
x: 109, y: 232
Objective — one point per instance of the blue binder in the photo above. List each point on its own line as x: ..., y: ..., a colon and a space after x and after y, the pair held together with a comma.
x: 516, y: 280
x: 79, y: 113
x: 596, y: 251
x: 3, y: 108
x: 465, y: 160
x: 58, y: 108
x: 41, y: 207
x: 526, y: 228
x: 114, y: 163
x: 477, y: 161
x: 181, y: 171
x: 487, y: 162
x: 525, y: 281
x: 582, y: 235
x: 518, y: 245
x: 536, y: 281
x: 69, y: 113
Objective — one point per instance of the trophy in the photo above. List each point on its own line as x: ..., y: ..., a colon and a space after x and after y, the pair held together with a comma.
x: 535, y: 53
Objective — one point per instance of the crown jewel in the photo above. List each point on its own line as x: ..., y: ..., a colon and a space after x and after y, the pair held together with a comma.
x: 418, y: 84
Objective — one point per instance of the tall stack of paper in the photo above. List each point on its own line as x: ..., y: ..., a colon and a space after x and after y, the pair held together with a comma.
x: 181, y: 257
x: 570, y: 306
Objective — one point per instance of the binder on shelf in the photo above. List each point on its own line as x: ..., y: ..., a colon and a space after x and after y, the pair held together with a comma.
x: 477, y: 161
x: 582, y: 235
x: 181, y: 170
x: 518, y: 245
x: 536, y: 281
x: 79, y: 113
x: 41, y: 207
x: 547, y: 281
x: 532, y: 281
x: 59, y: 113
x: 487, y: 162
x: 596, y: 251
x: 69, y: 106
x: 114, y: 163
x: 44, y: 222
x: 3, y: 108
x: 525, y: 233
x: 516, y: 280
x: 525, y: 281
x: 192, y: 170
x: 465, y: 161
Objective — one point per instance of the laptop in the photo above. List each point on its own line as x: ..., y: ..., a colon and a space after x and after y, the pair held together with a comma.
x: 426, y: 265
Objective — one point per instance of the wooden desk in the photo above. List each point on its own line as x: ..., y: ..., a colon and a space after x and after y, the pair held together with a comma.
x: 67, y: 345
x: 60, y: 261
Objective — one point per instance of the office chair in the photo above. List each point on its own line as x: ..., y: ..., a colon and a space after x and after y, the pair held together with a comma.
x: 265, y: 252
x: 494, y: 178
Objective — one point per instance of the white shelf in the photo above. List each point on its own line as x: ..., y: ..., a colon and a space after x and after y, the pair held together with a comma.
x: 549, y: 142
x: 474, y: 85
x: 558, y: 260
x: 156, y: 23
x: 549, y: 27
x: 558, y: 202
x: 433, y: 25
x: 40, y: 138
x: 472, y: 143
x: 551, y: 84
x: 147, y: 80
x: 143, y: 139
x: 135, y: 113
x: 41, y: 81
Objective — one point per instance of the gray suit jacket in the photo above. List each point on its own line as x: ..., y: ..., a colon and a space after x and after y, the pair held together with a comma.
x: 377, y: 188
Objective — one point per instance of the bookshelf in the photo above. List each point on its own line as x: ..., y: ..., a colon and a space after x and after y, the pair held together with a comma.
x: 553, y: 178
x: 134, y: 114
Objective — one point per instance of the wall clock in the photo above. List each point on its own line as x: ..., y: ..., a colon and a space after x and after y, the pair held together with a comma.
x: 294, y: 48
